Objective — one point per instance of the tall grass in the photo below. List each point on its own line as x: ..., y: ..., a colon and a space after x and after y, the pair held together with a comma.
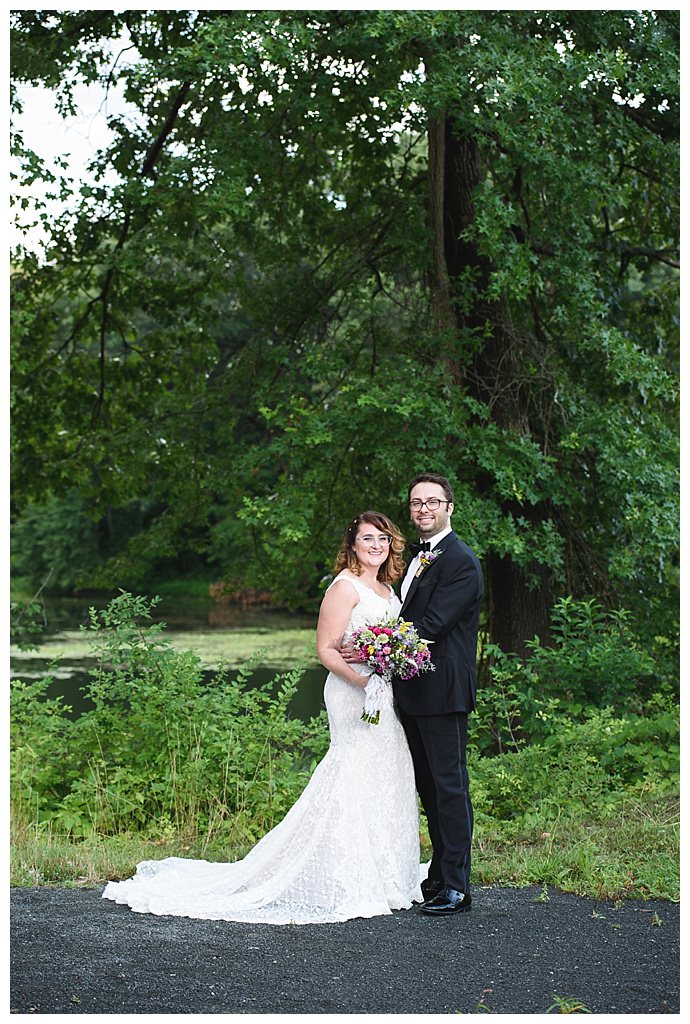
x: 633, y: 853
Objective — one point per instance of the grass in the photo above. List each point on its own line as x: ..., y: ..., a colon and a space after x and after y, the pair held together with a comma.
x: 631, y: 854
x: 41, y: 855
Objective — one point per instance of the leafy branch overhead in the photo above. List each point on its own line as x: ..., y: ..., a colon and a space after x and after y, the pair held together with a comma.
x: 324, y: 250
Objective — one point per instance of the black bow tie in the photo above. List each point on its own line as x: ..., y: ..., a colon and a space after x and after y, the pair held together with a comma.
x: 424, y: 546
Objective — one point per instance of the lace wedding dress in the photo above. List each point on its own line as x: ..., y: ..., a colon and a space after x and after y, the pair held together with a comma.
x: 349, y: 847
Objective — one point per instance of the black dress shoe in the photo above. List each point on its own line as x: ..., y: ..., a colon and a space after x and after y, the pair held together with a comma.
x: 448, y: 901
x: 432, y: 887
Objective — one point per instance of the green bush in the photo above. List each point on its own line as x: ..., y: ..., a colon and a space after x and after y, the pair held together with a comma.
x: 161, y: 746
x: 54, y: 542
x: 595, y: 661
x: 584, y: 766
x: 595, y: 658
x: 27, y: 622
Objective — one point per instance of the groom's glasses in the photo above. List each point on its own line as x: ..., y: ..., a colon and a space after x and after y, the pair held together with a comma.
x: 431, y: 503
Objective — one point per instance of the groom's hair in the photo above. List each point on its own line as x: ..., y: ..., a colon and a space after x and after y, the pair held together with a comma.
x: 431, y: 478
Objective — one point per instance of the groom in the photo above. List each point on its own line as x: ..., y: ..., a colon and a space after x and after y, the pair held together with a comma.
x: 441, y: 593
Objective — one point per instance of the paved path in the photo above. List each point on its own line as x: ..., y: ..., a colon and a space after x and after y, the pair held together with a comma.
x: 73, y: 952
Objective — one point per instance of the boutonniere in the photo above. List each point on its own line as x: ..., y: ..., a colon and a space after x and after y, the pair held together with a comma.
x: 426, y: 558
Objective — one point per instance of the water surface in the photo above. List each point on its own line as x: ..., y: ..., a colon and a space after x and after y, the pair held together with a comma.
x: 221, y: 636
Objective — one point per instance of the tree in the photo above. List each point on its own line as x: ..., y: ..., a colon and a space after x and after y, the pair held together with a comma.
x: 344, y: 246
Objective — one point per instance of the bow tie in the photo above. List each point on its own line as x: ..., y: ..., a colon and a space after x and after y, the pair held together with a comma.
x: 417, y: 548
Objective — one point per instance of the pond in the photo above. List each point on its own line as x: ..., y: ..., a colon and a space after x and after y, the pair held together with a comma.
x: 221, y: 635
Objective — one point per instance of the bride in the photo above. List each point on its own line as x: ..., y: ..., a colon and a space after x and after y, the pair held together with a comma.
x: 349, y: 847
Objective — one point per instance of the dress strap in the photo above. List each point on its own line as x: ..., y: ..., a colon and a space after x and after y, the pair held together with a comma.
x: 343, y: 575
x: 362, y: 589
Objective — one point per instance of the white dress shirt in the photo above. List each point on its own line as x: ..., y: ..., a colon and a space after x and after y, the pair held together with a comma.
x: 415, y: 563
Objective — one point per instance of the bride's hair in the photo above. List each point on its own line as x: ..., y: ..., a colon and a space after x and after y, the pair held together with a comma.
x: 390, y: 570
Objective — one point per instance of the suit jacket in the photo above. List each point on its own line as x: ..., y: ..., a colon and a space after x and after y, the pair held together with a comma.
x: 443, y: 603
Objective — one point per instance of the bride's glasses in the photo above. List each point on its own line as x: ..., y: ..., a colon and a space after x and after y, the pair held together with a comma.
x: 431, y: 503
x: 369, y: 539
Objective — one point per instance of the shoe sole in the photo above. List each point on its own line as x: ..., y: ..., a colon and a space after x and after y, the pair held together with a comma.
x: 444, y: 913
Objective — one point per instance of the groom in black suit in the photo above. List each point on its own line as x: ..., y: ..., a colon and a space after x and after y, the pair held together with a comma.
x: 441, y: 593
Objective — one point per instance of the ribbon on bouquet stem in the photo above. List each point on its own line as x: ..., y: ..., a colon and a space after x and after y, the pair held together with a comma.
x: 373, y: 699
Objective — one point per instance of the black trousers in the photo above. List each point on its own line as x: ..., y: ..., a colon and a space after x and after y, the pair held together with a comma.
x: 438, y: 744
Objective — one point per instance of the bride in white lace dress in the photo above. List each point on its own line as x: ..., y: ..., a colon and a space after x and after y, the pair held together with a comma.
x: 349, y: 847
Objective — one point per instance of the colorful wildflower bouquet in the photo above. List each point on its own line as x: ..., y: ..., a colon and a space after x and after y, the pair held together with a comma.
x: 392, y: 647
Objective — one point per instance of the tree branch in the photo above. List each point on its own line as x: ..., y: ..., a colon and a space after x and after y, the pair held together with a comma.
x: 103, y: 296
x: 666, y: 131
x: 154, y: 151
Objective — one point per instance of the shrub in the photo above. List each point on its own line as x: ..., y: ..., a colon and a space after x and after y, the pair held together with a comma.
x: 584, y: 766
x: 161, y: 744
x: 595, y: 662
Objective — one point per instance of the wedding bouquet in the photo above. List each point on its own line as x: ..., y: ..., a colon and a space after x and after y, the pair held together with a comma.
x: 392, y: 647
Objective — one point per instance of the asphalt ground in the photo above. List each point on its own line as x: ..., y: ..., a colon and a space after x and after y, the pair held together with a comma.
x: 520, y: 951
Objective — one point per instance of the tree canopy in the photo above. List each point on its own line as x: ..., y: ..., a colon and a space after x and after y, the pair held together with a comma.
x: 327, y: 250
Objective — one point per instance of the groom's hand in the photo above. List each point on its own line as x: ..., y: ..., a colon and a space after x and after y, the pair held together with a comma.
x: 348, y: 654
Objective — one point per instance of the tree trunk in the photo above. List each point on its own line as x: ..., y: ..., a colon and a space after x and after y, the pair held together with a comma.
x: 518, y: 599
x: 441, y: 307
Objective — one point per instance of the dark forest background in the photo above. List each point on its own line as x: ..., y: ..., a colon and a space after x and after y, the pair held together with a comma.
x: 326, y: 250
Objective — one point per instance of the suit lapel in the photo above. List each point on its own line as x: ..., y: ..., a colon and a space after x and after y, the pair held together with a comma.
x: 418, y: 575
